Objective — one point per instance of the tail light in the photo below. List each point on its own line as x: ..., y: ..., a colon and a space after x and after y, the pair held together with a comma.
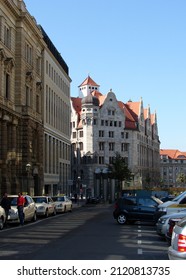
x: 181, y: 243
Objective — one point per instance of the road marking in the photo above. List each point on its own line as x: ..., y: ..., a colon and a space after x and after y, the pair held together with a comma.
x: 140, y: 251
x: 139, y: 242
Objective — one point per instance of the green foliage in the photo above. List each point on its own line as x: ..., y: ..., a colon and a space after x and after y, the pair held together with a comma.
x: 181, y: 178
x: 119, y: 170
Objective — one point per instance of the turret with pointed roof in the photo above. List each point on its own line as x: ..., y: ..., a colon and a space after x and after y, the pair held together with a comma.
x: 87, y: 86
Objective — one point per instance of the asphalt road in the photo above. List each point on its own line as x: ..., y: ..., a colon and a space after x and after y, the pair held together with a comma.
x: 88, y: 233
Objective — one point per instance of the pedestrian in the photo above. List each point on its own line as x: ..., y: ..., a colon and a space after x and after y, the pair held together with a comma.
x: 6, y: 205
x: 20, y: 207
x: 75, y: 197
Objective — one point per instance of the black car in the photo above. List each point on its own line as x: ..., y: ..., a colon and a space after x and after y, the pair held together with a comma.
x: 136, y: 208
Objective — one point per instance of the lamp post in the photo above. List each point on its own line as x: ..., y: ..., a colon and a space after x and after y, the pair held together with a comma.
x: 36, y: 183
x: 28, y: 167
x: 78, y: 184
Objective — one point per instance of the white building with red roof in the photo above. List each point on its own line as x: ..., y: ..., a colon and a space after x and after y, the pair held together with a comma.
x: 102, y: 126
x: 173, y: 167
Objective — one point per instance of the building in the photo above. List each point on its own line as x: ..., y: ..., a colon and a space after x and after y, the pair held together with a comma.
x: 101, y: 126
x: 20, y: 99
x: 56, y: 120
x: 34, y: 106
x: 173, y: 168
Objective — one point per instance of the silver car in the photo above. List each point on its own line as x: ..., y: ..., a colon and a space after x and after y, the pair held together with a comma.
x: 177, y: 250
x: 163, y: 221
x: 2, y: 217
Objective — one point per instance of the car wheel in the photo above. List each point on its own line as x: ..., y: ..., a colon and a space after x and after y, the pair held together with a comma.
x: 34, y: 217
x: 46, y: 213
x: 1, y: 224
x: 121, y: 219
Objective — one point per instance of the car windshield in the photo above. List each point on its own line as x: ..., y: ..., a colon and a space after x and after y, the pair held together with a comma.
x: 58, y: 198
x: 40, y: 199
x: 179, y: 196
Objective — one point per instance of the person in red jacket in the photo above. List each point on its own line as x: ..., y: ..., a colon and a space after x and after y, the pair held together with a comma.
x: 20, y: 206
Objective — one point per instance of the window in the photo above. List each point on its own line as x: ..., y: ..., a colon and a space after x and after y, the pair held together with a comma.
x: 102, y: 122
x: 129, y: 201
x: 74, y: 134
x: 81, y: 133
x: 37, y: 104
x: 122, y: 134
x: 101, y: 133
x: 111, y: 160
x: 81, y: 146
x: 111, y: 146
x: 7, y: 37
x: 101, y: 146
x: 101, y: 160
x: 28, y: 53
x: 111, y: 134
x: 28, y: 96
x: 7, y: 85
x: 38, y: 65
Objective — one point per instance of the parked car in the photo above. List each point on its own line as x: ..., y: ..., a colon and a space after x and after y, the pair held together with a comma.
x: 29, y: 209
x: 172, y: 222
x: 167, y: 198
x: 93, y: 200
x: 163, y: 222
x: 2, y: 217
x: 62, y: 203
x: 45, y: 206
x: 177, y: 250
x: 136, y: 208
x: 174, y: 205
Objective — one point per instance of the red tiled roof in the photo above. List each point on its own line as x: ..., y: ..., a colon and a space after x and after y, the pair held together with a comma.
x: 174, y: 154
x: 76, y: 102
x: 88, y: 81
x: 130, y: 117
x: 134, y: 106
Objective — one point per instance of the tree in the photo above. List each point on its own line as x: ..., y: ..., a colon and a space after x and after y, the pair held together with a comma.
x: 181, y: 179
x: 119, y: 171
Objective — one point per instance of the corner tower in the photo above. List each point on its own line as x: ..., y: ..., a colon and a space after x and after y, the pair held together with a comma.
x: 87, y: 86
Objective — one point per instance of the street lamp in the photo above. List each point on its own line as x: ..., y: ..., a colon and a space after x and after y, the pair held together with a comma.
x: 36, y: 183
x: 28, y: 167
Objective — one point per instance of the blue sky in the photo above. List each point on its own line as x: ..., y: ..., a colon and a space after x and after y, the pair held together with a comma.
x: 137, y: 48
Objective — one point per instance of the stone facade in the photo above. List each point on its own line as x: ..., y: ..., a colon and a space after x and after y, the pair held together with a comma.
x: 101, y: 126
x: 23, y: 126
x: 56, y: 120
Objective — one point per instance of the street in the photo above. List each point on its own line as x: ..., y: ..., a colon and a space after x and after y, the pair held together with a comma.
x: 87, y: 233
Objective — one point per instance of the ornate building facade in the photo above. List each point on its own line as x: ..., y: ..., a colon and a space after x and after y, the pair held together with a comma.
x: 101, y: 126
x: 25, y: 105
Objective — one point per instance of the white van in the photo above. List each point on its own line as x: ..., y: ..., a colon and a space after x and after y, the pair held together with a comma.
x: 175, y: 205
